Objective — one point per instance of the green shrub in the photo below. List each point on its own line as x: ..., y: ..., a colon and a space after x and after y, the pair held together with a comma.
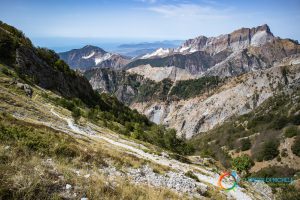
x: 270, y: 150
x: 8, y: 46
x: 278, y: 159
x: 291, y: 131
x: 76, y: 113
x: 5, y: 71
x: 296, y: 119
x: 296, y: 146
x: 245, y: 144
x: 274, y: 171
x: 242, y: 163
x: 279, y: 123
x: 36, y: 143
x: 152, y: 90
x: 192, y: 175
x: 66, y: 151
x: 190, y: 88
x: 288, y: 192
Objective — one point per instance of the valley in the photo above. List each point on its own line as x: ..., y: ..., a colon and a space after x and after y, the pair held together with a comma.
x: 90, y: 124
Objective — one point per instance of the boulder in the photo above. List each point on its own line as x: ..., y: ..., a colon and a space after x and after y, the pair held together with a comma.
x: 27, y: 89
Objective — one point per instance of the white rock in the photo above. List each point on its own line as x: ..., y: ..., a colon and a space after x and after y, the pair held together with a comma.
x: 68, y: 186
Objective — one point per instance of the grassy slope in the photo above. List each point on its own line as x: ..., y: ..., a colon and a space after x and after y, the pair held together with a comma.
x: 259, y: 134
x: 37, y: 162
x: 82, y: 100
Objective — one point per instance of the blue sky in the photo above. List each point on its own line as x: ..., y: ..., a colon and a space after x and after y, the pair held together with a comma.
x: 145, y: 20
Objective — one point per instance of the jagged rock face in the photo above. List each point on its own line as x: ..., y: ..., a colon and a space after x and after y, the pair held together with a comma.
x: 227, y: 55
x: 194, y: 63
x: 237, y: 40
x: 248, y: 59
x: 119, y: 83
x: 238, y: 96
x: 91, y: 56
x: 255, y: 58
x: 160, y: 73
x: 71, y: 86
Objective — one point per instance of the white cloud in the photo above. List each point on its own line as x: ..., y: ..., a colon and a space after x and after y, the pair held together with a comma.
x: 148, y: 1
x: 190, y: 11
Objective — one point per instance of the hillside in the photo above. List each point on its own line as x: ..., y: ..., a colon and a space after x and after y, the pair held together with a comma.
x: 60, y: 139
x: 48, y: 152
x: 56, y: 144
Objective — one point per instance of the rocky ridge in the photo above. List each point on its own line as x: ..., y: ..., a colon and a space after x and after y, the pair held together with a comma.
x: 243, y: 50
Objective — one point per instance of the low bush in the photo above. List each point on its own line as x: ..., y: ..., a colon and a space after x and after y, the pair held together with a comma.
x: 190, y: 88
x: 269, y: 150
x: 296, y: 146
x: 242, y: 163
x: 245, y: 144
x: 192, y: 175
x: 296, y: 119
x: 288, y: 192
x: 291, y: 131
x: 67, y: 151
x: 274, y: 171
x: 279, y: 123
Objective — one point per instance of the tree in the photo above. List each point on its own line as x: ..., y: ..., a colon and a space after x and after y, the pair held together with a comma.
x: 245, y: 144
x: 242, y: 163
x: 270, y: 150
x: 76, y: 113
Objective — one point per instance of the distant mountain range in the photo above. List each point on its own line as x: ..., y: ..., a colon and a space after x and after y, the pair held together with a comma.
x: 91, y: 56
x: 139, y: 49
x: 178, y: 73
x: 243, y: 50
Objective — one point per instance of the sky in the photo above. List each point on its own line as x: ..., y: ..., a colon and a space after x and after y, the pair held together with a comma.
x: 65, y: 22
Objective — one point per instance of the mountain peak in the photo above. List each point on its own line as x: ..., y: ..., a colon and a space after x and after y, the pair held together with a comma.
x: 91, y: 56
x: 264, y: 27
x: 91, y: 47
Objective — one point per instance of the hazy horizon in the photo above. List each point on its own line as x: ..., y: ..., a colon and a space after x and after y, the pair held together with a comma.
x: 60, y: 44
x: 60, y: 24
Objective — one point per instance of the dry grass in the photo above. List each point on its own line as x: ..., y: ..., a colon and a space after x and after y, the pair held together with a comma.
x: 25, y: 148
x: 26, y: 173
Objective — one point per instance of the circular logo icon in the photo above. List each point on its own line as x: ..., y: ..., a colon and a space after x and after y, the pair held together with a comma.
x: 232, y: 175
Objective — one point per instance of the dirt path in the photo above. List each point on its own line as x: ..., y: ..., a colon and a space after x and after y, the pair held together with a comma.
x: 203, y: 175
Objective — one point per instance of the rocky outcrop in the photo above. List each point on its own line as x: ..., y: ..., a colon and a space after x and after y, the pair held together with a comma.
x: 91, y: 56
x: 27, y: 89
x: 194, y: 63
x: 120, y: 83
x: 69, y: 85
x: 235, y: 41
x: 160, y: 73
x: 236, y: 97
x: 256, y: 58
